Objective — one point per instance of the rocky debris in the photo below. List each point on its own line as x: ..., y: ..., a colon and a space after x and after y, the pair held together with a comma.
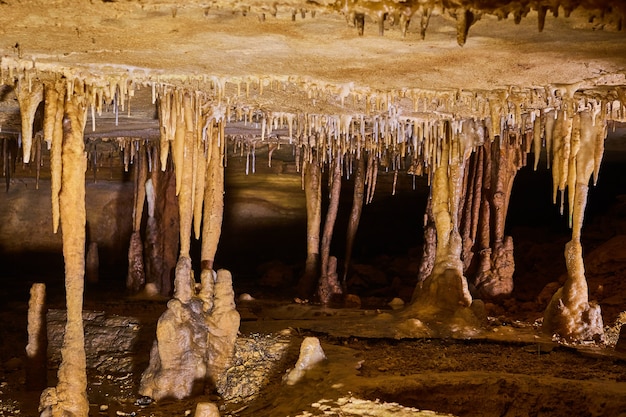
x: 621, y: 341
x: 110, y: 340
x: 256, y: 359
x: 360, y: 407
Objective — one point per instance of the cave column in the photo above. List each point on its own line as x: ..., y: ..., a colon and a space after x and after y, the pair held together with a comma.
x: 313, y: 196
x: 70, y: 395
x: 569, y: 314
x: 355, y: 214
x: 446, y: 288
x: 494, y: 277
x: 329, y: 288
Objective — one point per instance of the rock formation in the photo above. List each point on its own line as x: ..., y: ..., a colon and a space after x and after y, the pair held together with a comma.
x: 569, y: 314
x: 37, y: 347
x: 195, y: 337
x: 311, y: 355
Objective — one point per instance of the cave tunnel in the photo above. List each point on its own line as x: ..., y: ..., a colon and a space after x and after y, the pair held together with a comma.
x: 297, y: 208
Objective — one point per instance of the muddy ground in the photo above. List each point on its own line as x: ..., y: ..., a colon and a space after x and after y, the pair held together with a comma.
x: 511, y: 369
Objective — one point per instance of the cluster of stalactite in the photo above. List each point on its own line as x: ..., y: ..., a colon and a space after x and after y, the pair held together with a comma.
x: 468, y: 12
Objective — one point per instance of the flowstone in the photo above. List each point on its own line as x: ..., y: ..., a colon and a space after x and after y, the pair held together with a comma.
x: 195, y: 337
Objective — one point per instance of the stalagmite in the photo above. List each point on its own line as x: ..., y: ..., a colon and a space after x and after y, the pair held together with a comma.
x: 36, y: 349
x: 311, y: 355
x: 70, y: 395
x: 136, y: 276
x: 569, y: 314
x: 195, y: 338
x: 29, y: 96
x: 223, y: 323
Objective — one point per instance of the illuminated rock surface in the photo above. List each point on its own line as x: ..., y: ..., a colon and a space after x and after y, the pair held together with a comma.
x: 195, y: 338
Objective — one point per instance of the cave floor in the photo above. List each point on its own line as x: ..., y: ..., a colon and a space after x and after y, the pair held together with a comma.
x: 509, y: 369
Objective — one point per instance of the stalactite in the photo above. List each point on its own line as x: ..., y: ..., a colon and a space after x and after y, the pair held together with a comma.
x: 184, y: 148
x: 200, y: 162
x: 494, y: 277
x: 29, y: 97
x: 37, y: 157
x: 53, y: 134
x: 213, y: 196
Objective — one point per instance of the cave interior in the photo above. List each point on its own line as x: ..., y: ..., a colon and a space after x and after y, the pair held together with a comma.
x: 417, y: 171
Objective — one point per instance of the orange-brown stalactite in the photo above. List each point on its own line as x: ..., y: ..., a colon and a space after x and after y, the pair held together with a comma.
x: 53, y: 134
x: 162, y: 235
x: 213, y: 194
x: 29, y: 95
x: 494, y: 277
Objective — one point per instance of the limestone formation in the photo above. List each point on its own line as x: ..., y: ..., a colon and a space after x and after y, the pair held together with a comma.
x: 69, y: 397
x: 569, y: 314
x: 311, y: 355
x: 195, y: 337
x: 312, y: 184
x: 206, y: 410
x: 36, y: 349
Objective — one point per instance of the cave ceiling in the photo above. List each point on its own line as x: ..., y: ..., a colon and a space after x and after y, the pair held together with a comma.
x: 308, y: 57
